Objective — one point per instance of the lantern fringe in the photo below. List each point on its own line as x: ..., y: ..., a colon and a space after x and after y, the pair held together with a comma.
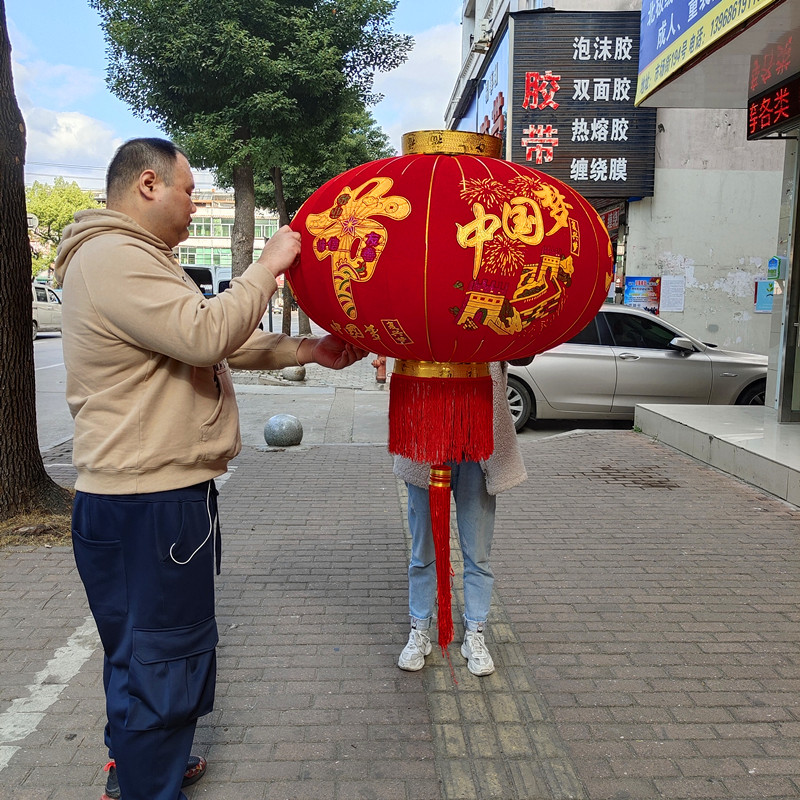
x: 439, y: 499
x: 435, y: 420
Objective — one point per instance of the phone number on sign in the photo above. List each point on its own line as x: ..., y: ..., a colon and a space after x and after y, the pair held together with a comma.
x: 729, y: 14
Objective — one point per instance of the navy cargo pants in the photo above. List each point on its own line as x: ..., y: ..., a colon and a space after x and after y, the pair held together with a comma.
x: 147, y: 563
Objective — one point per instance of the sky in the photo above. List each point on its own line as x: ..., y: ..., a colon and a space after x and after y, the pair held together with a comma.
x: 74, y: 123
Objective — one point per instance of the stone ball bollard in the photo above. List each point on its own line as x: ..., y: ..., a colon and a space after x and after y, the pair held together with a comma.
x: 294, y: 373
x: 283, y: 430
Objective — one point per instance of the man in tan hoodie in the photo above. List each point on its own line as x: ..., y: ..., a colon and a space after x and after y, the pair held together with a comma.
x: 150, y: 390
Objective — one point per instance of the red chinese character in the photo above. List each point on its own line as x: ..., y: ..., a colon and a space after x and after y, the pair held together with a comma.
x: 784, y: 56
x: 498, y: 120
x: 754, y: 73
x: 766, y: 68
x: 540, y: 140
x: 752, y: 118
x: 540, y: 90
x: 765, y: 113
x: 780, y: 108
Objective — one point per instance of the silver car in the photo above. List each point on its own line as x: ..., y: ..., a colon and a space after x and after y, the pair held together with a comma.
x: 46, y: 310
x: 624, y: 357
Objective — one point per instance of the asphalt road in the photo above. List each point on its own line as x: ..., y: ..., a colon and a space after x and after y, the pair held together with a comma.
x: 53, y: 420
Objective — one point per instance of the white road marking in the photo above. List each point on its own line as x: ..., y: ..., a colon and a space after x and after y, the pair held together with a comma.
x: 218, y: 481
x: 24, y: 714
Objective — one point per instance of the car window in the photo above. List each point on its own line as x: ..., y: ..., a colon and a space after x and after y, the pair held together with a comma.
x: 41, y: 293
x: 52, y: 297
x: 630, y: 330
x: 588, y: 335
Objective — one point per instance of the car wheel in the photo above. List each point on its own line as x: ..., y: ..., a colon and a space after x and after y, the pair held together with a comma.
x: 519, y: 402
x: 753, y: 395
x: 35, y: 329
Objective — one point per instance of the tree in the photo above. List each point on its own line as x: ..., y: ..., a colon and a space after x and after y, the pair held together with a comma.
x: 25, y: 486
x: 358, y: 139
x: 242, y: 83
x: 54, y: 206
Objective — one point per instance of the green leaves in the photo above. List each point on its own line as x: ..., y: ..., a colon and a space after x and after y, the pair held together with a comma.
x: 55, y: 205
x: 257, y: 84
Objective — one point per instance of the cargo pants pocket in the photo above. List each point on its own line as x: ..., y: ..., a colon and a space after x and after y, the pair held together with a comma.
x: 101, y: 567
x: 172, y: 675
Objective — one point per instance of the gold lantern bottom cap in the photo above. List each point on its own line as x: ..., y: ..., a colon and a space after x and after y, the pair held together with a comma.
x: 441, y: 369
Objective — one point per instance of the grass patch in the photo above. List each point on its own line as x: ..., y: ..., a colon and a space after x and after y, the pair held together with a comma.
x: 36, y: 530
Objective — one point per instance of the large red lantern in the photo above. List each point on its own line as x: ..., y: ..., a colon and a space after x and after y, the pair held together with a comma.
x: 447, y: 258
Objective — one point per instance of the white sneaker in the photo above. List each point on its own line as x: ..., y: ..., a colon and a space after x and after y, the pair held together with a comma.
x: 413, y: 656
x: 479, y: 662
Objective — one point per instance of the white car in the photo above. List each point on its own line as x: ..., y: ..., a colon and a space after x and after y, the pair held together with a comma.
x: 625, y: 357
x: 46, y: 310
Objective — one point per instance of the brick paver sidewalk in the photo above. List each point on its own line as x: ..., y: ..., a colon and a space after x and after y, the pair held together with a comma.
x: 645, y: 627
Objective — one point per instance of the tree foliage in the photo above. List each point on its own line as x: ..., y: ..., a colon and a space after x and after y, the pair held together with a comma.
x: 25, y: 486
x: 358, y: 141
x: 247, y: 85
x: 54, y: 205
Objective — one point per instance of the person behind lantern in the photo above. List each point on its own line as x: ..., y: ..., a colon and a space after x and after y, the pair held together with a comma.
x: 475, y: 486
x: 150, y: 389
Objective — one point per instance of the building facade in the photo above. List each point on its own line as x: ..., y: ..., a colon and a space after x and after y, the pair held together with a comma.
x: 743, y: 56
x: 691, y: 205
x: 209, y: 242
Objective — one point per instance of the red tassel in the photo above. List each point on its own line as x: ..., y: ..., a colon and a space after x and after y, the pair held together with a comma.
x: 439, y: 498
x: 435, y: 420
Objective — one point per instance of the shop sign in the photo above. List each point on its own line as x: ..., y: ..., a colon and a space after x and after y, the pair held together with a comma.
x: 573, y: 117
x: 611, y: 219
x: 675, y: 32
x: 491, y: 101
x: 774, y: 111
x: 774, y: 64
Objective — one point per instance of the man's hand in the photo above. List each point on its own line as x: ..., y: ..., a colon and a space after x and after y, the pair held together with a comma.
x: 329, y: 351
x: 281, y: 251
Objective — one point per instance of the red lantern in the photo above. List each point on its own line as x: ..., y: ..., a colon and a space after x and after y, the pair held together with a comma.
x: 447, y: 258
x: 450, y: 257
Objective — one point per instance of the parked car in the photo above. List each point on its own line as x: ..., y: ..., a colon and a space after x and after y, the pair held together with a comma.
x: 46, y: 310
x: 624, y: 357
x: 204, y: 278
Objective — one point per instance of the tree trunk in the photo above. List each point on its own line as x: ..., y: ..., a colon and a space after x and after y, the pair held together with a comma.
x: 283, y: 219
x: 25, y: 486
x: 288, y: 299
x: 244, y: 217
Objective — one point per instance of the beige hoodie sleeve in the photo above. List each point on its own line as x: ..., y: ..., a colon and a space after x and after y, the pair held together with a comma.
x: 144, y: 298
x: 266, y: 351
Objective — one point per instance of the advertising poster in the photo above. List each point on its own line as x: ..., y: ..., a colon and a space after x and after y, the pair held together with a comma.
x: 644, y: 293
x: 673, y: 292
x: 765, y: 291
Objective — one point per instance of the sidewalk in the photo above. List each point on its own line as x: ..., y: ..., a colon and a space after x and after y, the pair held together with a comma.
x: 645, y: 627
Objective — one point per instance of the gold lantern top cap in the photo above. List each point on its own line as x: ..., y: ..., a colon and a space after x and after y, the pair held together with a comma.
x: 453, y: 143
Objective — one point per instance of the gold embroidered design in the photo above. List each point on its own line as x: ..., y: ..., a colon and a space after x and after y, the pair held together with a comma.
x: 508, y: 218
x: 352, y: 238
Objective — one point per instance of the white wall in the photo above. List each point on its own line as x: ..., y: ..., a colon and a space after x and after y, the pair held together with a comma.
x: 713, y: 220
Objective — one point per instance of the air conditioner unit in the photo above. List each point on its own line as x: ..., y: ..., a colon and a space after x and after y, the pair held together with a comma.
x: 483, y: 35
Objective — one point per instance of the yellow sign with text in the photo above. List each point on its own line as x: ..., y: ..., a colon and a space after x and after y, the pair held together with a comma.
x: 706, y: 31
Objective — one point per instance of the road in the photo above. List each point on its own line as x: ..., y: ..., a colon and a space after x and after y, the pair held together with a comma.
x: 53, y: 420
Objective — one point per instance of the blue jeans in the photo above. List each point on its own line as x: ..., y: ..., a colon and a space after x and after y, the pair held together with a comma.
x: 475, y: 509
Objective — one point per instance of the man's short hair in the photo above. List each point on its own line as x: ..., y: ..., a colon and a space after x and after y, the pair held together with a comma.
x: 134, y: 157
